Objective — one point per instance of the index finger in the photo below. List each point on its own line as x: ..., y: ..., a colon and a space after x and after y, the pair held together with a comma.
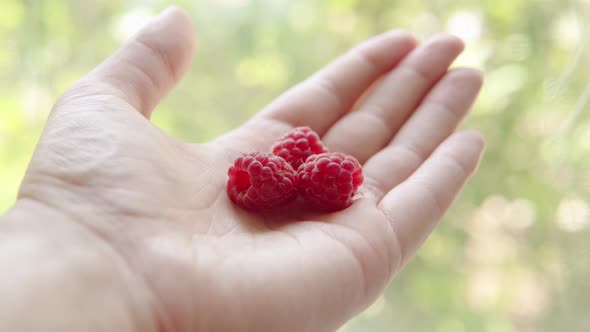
x: 330, y: 93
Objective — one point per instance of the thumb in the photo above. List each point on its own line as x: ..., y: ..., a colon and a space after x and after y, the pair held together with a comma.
x: 147, y: 66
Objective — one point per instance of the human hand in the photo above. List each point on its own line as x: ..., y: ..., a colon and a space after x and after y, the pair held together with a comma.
x: 194, y: 260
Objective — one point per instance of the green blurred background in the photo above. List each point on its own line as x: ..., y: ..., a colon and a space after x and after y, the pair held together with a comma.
x: 512, y: 255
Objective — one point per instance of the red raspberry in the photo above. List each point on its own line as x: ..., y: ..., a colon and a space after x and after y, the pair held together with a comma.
x: 329, y: 180
x: 259, y: 181
x: 297, y: 145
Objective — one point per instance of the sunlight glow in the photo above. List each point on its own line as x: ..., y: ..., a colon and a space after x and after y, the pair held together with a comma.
x: 467, y: 25
x: 36, y: 101
x: 567, y: 31
x: 484, y: 289
x: 572, y: 215
x: 130, y: 22
x: 528, y: 296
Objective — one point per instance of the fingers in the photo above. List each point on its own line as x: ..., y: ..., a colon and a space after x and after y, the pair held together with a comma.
x: 436, y: 118
x: 364, y: 132
x: 322, y: 99
x: 415, y: 206
x: 147, y: 66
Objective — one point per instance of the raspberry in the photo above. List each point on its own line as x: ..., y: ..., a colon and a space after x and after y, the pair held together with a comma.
x: 297, y: 145
x: 328, y: 181
x: 259, y: 181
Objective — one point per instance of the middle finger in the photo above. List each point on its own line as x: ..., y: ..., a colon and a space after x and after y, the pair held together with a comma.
x: 368, y: 129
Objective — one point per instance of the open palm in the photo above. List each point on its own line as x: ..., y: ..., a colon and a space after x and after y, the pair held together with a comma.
x: 210, y: 266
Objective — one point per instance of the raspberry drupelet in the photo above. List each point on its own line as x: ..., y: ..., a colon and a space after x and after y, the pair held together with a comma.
x: 259, y: 181
x: 296, y: 146
x: 328, y: 181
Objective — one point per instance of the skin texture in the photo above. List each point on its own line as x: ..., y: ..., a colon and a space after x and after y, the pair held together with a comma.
x: 132, y: 229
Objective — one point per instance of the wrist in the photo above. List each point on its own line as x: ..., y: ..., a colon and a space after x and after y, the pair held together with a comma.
x: 59, y: 276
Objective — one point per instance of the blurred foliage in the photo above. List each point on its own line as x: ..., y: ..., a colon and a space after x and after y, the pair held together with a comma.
x: 512, y: 255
